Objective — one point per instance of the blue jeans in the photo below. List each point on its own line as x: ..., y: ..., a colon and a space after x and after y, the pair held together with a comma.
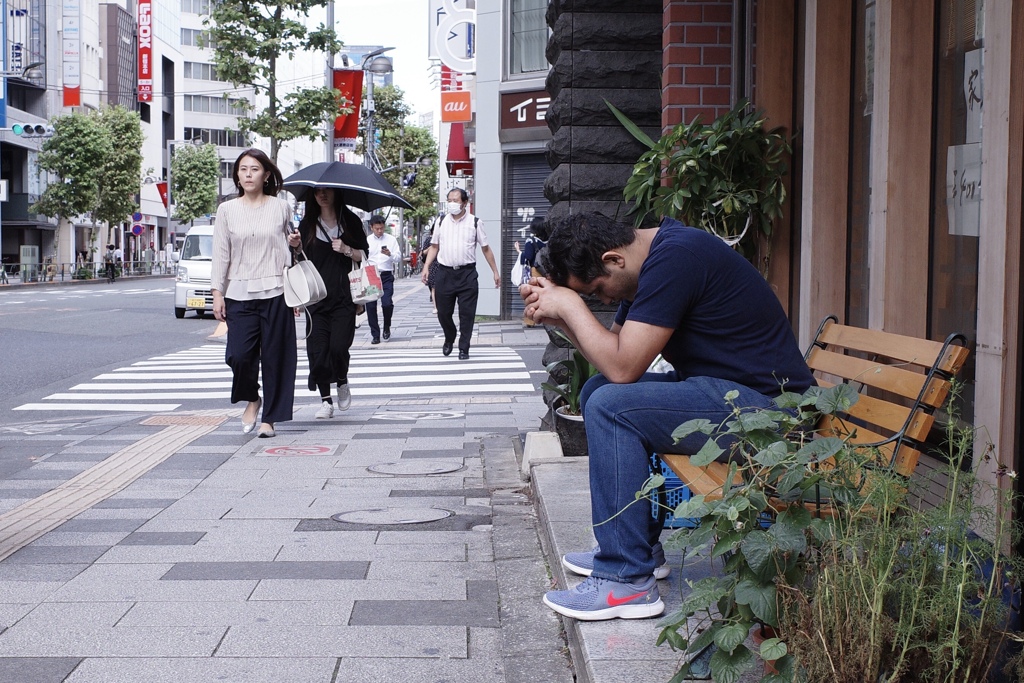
x: 625, y: 424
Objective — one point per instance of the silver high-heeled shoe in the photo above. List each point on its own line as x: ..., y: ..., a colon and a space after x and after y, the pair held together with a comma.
x: 266, y: 433
x: 249, y: 426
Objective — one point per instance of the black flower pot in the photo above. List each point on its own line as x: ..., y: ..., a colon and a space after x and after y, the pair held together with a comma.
x: 571, y: 433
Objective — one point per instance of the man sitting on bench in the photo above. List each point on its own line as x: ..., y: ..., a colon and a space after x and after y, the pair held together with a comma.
x: 686, y: 295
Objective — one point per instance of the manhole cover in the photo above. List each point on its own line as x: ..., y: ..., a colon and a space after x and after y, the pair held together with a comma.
x: 293, y: 451
x: 418, y: 415
x: 417, y: 467
x: 392, y: 516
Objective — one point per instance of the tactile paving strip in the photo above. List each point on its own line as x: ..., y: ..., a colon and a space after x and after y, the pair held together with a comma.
x: 32, y: 519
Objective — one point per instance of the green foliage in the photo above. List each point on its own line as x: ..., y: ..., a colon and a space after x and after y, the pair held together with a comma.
x: 195, y: 172
x: 576, y: 370
x: 875, y: 588
x: 717, y: 176
x: 905, y: 593
x: 401, y: 142
x: 119, y: 180
x: 250, y: 39
x: 76, y: 154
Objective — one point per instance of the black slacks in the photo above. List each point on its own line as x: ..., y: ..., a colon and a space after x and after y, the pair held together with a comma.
x: 261, y: 332
x: 387, y: 304
x: 451, y: 286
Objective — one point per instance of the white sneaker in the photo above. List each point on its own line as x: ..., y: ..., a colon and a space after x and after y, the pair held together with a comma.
x: 344, y: 397
x: 326, y: 411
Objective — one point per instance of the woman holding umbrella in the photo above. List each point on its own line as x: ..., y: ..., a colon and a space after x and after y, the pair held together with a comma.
x: 250, y: 252
x: 333, y: 239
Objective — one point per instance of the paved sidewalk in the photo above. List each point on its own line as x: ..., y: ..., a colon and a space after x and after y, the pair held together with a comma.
x: 173, y: 548
x: 394, y: 542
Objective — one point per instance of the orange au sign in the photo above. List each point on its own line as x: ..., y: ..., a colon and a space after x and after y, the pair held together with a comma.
x: 456, y: 107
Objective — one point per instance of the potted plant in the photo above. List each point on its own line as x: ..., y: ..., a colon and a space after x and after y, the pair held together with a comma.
x: 569, y: 376
x: 725, y: 177
x: 871, y: 588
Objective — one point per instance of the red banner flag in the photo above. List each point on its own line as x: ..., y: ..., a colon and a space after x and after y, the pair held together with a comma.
x: 346, y: 127
x: 161, y: 187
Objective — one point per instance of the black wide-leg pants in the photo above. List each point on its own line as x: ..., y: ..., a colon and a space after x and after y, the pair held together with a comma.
x: 329, y: 343
x: 261, y: 332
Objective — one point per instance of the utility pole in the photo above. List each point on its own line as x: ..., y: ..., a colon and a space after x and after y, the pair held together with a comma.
x: 330, y: 83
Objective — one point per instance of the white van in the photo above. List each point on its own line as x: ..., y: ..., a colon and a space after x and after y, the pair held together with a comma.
x: 195, y: 261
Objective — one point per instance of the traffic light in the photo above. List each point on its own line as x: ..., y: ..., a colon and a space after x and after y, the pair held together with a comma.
x: 32, y: 130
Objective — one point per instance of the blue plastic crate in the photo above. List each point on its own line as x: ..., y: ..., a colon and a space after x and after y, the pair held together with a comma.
x: 675, y: 493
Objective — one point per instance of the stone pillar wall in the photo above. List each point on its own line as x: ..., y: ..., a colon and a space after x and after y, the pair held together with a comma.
x: 600, y: 50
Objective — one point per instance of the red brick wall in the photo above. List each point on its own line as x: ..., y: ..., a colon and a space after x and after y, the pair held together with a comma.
x: 697, y: 60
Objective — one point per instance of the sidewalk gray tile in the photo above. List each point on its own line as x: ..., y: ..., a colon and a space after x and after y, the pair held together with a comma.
x: 179, y: 669
x: 421, y: 671
x: 56, y: 555
x: 480, y: 608
x: 162, y: 538
x: 222, y: 571
x: 58, y: 640
x: 240, y: 613
x: 445, y: 642
x: 322, y: 589
x: 36, y: 669
x: 40, y: 572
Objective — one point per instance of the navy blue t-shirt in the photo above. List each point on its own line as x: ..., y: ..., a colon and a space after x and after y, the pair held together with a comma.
x: 728, y: 323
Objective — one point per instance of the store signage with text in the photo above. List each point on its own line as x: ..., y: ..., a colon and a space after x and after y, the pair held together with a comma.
x: 145, y: 51
x: 71, y: 39
x: 524, y: 109
x: 456, y: 106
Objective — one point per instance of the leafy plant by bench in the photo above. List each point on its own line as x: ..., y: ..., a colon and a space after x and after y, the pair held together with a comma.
x: 724, y: 177
x: 864, y: 588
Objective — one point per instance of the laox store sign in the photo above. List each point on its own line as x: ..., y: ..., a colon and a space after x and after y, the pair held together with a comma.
x: 456, y: 106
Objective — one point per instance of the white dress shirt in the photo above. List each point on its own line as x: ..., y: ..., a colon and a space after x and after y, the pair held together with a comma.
x: 379, y: 259
x: 457, y: 239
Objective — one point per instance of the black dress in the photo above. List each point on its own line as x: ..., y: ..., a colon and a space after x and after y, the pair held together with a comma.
x: 334, y: 318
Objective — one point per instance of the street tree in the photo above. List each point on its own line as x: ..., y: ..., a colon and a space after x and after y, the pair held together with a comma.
x: 76, y: 155
x: 119, y: 177
x: 400, y: 147
x: 195, y: 177
x: 250, y: 38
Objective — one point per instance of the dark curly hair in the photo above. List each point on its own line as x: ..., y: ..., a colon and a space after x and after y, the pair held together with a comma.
x: 578, y: 242
x: 274, y: 182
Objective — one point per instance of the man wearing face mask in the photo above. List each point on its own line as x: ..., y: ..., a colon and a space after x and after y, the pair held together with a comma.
x: 454, y: 246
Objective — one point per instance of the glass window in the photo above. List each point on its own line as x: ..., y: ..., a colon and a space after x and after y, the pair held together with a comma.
x: 956, y: 181
x: 860, y: 164
x: 529, y: 37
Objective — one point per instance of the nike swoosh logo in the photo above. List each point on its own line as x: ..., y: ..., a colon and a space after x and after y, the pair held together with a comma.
x: 615, y: 602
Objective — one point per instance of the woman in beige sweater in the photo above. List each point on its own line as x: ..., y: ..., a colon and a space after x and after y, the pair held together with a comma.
x: 251, y: 237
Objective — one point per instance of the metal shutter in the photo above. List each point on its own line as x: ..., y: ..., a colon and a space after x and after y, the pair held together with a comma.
x: 523, y: 199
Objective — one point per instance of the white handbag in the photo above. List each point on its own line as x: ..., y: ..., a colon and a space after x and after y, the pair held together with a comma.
x: 302, y: 283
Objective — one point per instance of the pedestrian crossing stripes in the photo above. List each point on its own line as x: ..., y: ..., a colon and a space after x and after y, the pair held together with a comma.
x: 200, y: 377
x: 19, y: 295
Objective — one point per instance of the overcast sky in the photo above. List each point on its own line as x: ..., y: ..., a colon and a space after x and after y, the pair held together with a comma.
x: 401, y: 24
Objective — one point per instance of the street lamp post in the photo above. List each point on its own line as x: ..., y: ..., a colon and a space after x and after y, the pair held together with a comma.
x: 373, y: 63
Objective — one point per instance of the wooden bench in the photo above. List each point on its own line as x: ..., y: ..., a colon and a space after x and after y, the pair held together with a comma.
x: 900, y: 380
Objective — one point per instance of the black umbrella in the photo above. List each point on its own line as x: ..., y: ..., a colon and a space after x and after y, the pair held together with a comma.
x: 360, y: 186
